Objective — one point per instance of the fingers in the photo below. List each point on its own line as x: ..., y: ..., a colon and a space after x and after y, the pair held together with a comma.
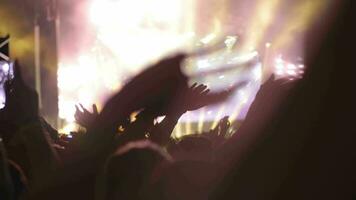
x: 78, y: 113
x: 194, y: 85
x: 201, y: 88
x: 205, y: 92
x: 83, y: 108
x: 77, y: 108
x: 95, y: 109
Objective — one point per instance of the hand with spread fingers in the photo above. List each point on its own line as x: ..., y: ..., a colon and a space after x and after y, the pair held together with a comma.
x: 198, y: 96
x: 83, y: 117
x: 194, y: 95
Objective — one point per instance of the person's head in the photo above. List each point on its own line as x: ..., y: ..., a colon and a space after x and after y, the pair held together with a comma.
x: 186, y: 180
x: 129, y: 172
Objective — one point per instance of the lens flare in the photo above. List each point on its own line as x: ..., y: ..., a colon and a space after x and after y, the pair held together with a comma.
x: 285, y: 69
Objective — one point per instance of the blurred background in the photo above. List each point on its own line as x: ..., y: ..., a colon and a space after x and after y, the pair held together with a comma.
x: 85, y: 50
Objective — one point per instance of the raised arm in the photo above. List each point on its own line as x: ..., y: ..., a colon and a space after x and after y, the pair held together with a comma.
x: 28, y: 136
x: 189, y: 99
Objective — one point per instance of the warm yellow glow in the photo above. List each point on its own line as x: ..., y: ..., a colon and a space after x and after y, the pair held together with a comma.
x: 82, y: 81
x: 188, y: 127
x: 236, y: 112
x: 218, y: 116
x: 208, y: 39
x: 177, y: 132
x: 262, y: 19
x: 68, y: 128
x: 130, y: 35
x: 135, y: 33
x: 243, y: 100
x: 201, y: 120
x: 300, y: 18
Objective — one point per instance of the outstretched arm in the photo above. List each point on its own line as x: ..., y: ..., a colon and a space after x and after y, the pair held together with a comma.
x: 195, y: 97
x: 161, y: 132
x: 21, y: 110
x: 188, y: 99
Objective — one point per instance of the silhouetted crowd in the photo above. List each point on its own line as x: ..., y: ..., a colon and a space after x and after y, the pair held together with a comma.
x: 293, y: 144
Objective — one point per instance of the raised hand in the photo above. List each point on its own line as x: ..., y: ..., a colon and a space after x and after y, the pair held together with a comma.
x: 83, y: 117
x: 21, y: 101
x: 198, y: 96
x: 269, y: 96
x: 223, y: 126
x: 194, y: 96
x: 29, y: 145
x: 155, y: 87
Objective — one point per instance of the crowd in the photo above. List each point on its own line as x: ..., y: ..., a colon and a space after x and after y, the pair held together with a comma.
x: 291, y: 145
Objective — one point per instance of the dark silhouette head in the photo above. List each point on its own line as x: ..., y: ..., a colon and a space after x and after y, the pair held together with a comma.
x: 129, y: 172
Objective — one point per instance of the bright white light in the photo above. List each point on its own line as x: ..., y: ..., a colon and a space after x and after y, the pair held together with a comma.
x: 207, y: 39
x: 291, y: 66
x: 2, y: 98
x: 230, y: 41
x: 160, y: 119
x: 201, y: 64
x: 241, y: 93
x: 68, y: 128
x: 244, y: 100
x: 279, y: 66
x: 251, y: 48
x: 5, y: 67
x: 257, y: 72
x: 85, y: 97
x: 4, y: 70
x: 67, y: 109
x: 279, y: 60
x: 130, y: 34
x: 246, y: 57
x: 138, y: 32
x: 279, y: 72
x: 291, y: 72
x: 286, y: 69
